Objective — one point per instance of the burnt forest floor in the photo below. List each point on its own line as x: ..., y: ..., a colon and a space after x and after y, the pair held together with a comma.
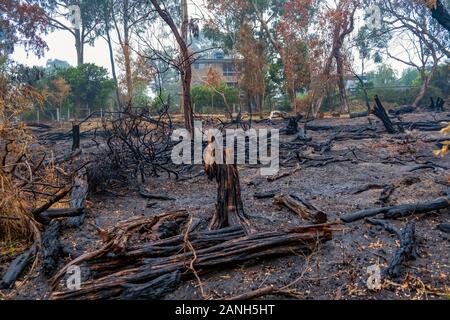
x: 337, y: 269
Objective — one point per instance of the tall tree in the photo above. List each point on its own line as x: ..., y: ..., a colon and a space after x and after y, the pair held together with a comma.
x: 252, y: 67
x: 423, y: 40
x: 185, y: 63
x: 21, y: 24
x: 337, y: 23
x: 58, y: 14
x: 283, y: 24
x: 129, y: 17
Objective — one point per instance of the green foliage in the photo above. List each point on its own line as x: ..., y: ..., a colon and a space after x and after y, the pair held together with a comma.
x: 207, y: 100
x: 89, y: 83
x: 383, y: 76
x: 408, y: 77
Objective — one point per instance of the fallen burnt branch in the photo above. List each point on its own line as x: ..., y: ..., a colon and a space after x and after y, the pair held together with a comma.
x: 283, y: 174
x: 56, y: 198
x: 17, y: 267
x: 407, y: 250
x: 311, y: 162
x: 424, y: 125
x: 301, y: 207
x: 79, y: 194
x: 51, y: 214
x: 399, y: 211
x: 152, y: 196
x: 444, y: 227
x: 232, y: 252
x: 51, y: 248
x: 265, y: 195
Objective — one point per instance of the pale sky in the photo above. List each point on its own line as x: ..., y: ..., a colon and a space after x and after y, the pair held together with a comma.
x: 62, y: 46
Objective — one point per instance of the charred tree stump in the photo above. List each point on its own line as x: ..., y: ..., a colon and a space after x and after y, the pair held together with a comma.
x: 76, y: 137
x: 380, y: 112
x: 229, y: 207
x: 292, y: 126
x: 440, y: 104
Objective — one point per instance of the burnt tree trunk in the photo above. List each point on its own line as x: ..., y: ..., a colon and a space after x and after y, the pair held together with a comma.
x: 75, y: 137
x: 380, y: 112
x: 185, y: 67
x: 229, y: 207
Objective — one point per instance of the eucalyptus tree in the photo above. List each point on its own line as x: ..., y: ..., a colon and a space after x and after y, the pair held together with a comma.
x: 81, y: 18
x: 420, y: 41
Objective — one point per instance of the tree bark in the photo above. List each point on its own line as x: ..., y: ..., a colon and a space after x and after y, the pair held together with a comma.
x: 79, y: 46
x: 423, y: 88
x: 185, y: 67
x: 113, y: 65
x: 229, y: 207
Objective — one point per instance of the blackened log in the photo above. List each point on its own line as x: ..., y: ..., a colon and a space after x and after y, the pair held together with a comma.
x: 148, y: 195
x: 399, y: 211
x: 17, y: 267
x: 78, y: 198
x: 51, y: 214
x: 406, y: 252
x: 265, y: 195
x: 58, y: 197
x: 405, y: 210
x: 301, y: 207
x: 235, y: 251
x: 444, y: 227
x: 75, y: 137
x: 51, y: 248
x: 153, y: 289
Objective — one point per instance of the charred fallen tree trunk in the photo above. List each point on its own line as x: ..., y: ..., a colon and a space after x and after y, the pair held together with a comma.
x: 17, y: 267
x: 399, y: 211
x: 209, y: 256
x: 51, y: 248
x: 407, y: 250
x: 300, y: 206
